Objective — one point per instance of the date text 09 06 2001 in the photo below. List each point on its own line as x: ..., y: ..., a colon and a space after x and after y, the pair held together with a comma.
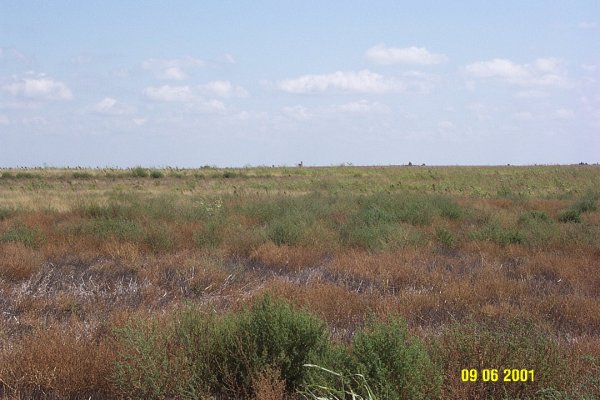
x: 494, y: 375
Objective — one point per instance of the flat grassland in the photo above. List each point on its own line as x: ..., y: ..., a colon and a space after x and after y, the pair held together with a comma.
x: 223, y: 283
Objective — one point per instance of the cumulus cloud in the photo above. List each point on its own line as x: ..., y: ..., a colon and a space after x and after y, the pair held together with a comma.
x: 170, y: 93
x: 186, y: 93
x: 363, y: 81
x: 110, y: 106
x: 223, y: 89
x: 173, y: 69
x: 39, y: 88
x: 543, y: 72
x: 4, y: 120
x: 380, y: 54
x: 191, y: 96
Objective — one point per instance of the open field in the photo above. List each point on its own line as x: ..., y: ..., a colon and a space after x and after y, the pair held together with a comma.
x: 222, y: 283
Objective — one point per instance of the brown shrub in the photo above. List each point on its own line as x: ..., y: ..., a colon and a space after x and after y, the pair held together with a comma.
x: 19, y: 263
x: 287, y: 258
x: 62, y: 361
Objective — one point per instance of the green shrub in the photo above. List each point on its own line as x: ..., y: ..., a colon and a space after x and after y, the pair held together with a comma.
x: 115, y: 228
x: 82, y: 175
x: 585, y: 205
x: 6, y: 213
x: 232, y: 174
x: 494, y: 232
x: 287, y: 230
x: 534, y: 216
x: 156, y: 174
x: 395, y: 365
x: 139, y: 172
x: 570, y: 216
x: 371, y: 237
x: 7, y: 175
x: 28, y: 236
x: 203, y: 354
x: 25, y: 175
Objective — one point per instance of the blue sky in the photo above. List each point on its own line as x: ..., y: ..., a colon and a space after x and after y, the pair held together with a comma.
x: 186, y: 83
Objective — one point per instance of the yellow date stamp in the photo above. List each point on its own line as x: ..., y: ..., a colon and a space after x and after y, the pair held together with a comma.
x: 497, y: 375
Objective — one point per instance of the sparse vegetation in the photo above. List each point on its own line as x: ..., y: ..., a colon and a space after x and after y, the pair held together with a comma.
x: 209, y: 282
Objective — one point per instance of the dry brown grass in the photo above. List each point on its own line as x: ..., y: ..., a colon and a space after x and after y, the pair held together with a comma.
x: 19, y: 263
x: 59, y: 361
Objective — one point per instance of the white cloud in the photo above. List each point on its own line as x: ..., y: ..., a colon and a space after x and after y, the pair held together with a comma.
x: 188, y: 93
x: 139, y: 121
x: 4, y: 120
x: 362, y: 106
x: 110, y: 106
x: 223, y: 89
x: 363, y: 81
x: 170, y: 93
x: 299, y: 113
x: 544, y: 72
x: 590, y: 67
x: 39, y: 88
x: 174, y: 69
x: 190, y: 96
x: 380, y: 54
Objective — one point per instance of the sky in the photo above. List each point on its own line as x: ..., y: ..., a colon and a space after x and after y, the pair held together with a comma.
x: 247, y: 83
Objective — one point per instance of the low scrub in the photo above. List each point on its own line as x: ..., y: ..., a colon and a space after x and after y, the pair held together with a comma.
x: 208, y: 354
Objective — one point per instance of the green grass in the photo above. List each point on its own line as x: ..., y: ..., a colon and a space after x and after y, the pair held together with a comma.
x: 30, y: 237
